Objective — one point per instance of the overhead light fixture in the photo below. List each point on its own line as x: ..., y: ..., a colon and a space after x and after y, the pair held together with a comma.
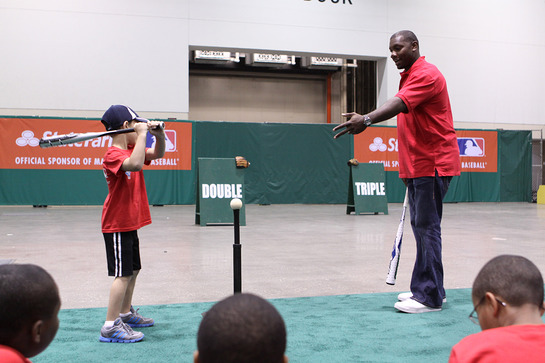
x: 267, y: 59
x: 214, y: 56
x: 322, y: 62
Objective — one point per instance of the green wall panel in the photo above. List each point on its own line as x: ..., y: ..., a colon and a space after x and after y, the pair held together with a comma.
x: 86, y: 187
x: 52, y: 187
x: 515, y: 155
x: 290, y: 163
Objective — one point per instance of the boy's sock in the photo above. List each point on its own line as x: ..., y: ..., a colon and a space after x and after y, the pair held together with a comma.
x: 108, y: 323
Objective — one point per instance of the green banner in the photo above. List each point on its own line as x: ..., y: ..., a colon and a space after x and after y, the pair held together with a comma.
x: 290, y: 163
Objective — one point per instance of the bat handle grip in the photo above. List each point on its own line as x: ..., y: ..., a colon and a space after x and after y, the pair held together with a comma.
x: 161, y: 125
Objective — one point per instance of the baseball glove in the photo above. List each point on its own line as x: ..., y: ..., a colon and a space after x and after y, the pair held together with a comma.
x: 353, y: 162
x: 241, y: 162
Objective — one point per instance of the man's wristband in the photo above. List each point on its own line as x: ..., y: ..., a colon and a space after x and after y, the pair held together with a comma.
x: 367, y: 121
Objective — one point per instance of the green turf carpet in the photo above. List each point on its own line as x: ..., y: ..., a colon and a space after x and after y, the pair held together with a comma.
x: 345, y: 328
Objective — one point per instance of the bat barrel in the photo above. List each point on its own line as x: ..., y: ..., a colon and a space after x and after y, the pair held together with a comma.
x: 56, y: 140
x: 72, y: 138
x: 394, y: 261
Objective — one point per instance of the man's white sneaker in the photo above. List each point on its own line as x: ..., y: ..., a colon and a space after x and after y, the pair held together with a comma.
x: 413, y: 307
x: 407, y: 295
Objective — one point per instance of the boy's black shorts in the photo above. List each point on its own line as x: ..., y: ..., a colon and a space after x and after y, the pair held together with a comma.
x: 122, y: 253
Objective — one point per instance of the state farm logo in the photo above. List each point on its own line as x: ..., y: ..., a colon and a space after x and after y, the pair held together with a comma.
x: 27, y: 138
x: 471, y: 146
x: 379, y: 145
x: 170, y: 140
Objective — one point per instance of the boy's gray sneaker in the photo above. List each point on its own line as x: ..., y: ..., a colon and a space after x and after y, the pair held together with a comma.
x: 136, y: 320
x: 120, y: 333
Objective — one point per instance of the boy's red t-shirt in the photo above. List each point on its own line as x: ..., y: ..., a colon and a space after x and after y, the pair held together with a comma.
x: 10, y: 355
x: 126, y: 207
x: 513, y: 343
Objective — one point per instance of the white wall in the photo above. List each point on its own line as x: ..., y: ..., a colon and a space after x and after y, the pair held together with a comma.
x: 81, y: 56
x: 291, y: 25
x: 490, y: 52
x: 86, y: 55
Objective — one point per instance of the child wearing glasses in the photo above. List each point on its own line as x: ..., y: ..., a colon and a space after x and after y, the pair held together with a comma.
x: 508, y: 298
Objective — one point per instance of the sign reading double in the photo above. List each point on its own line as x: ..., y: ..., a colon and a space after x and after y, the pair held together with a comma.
x: 219, y: 181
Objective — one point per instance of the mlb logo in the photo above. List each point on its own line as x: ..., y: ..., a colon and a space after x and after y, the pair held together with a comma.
x: 170, y: 140
x: 471, y: 146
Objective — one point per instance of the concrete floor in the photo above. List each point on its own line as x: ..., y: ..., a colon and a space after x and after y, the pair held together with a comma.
x: 287, y: 250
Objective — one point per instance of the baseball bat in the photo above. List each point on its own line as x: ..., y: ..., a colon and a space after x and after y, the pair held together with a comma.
x: 396, y: 251
x: 72, y: 138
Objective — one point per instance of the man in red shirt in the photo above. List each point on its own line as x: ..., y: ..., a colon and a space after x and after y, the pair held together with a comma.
x: 508, y: 298
x: 126, y: 209
x: 428, y: 159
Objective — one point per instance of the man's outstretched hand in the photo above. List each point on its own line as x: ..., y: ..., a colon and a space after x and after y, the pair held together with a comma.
x: 354, y: 125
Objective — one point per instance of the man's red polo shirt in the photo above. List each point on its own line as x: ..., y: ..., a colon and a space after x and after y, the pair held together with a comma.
x: 426, y: 137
